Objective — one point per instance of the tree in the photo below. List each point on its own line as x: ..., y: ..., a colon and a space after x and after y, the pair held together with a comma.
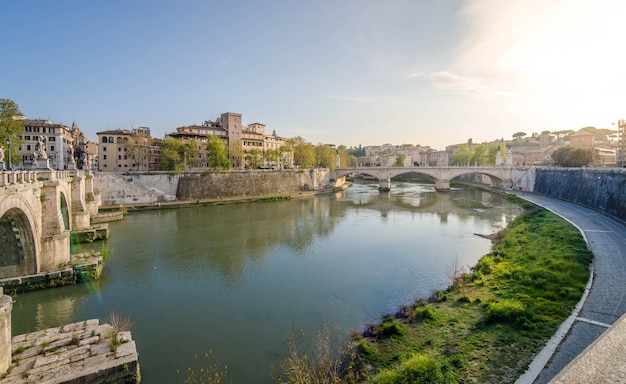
x: 10, y: 128
x: 573, y: 156
x: 175, y: 154
x: 253, y: 157
x: 400, y: 160
x: 519, y: 135
x: 325, y: 156
x: 463, y: 155
x: 216, y: 153
x: 303, y: 152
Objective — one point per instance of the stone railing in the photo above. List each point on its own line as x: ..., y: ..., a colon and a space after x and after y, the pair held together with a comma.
x: 17, y: 177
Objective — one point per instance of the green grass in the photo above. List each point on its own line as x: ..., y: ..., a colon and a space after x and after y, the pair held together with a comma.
x: 487, y: 326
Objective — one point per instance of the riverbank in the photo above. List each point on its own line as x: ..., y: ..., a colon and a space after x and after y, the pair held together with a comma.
x: 219, y: 201
x: 491, y: 321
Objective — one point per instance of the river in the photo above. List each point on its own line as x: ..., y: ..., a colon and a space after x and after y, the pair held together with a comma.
x: 236, y: 279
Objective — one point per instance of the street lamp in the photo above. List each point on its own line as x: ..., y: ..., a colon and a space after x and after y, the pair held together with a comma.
x: 9, y: 145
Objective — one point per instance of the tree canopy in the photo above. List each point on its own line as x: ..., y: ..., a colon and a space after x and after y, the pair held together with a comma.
x: 175, y: 154
x: 216, y: 153
x: 573, y: 156
x: 10, y: 128
x: 479, y: 154
x: 303, y: 152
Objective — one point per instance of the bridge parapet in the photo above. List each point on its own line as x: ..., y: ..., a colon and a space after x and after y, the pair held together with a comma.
x: 17, y: 177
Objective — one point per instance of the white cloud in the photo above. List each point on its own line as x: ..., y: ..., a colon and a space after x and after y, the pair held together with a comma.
x: 445, y: 80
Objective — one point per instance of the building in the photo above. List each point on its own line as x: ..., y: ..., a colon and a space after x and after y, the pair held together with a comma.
x: 57, y: 139
x: 123, y: 150
x: 246, y: 145
x: 582, y: 139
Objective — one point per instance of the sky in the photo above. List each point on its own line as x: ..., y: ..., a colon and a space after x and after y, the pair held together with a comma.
x: 351, y: 72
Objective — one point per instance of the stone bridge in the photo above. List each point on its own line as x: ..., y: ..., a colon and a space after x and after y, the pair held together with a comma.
x: 38, y: 211
x: 499, y: 176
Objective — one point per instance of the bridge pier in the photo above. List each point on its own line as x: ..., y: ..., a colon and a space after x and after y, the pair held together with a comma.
x: 6, y: 306
x: 56, y: 208
x: 384, y: 185
x: 80, y: 213
x: 442, y: 185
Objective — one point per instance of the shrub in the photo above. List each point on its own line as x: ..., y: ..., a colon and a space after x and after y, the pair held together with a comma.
x: 425, y: 312
x: 484, y: 266
x: 421, y: 369
x: 386, y: 377
x: 505, y: 311
x: 365, y: 348
x: 391, y: 327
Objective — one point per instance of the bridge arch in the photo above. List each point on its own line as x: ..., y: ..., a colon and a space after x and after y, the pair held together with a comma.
x: 18, y: 247
x: 499, y: 176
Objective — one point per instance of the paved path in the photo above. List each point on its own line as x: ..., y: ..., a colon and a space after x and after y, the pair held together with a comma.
x: 606, y: 300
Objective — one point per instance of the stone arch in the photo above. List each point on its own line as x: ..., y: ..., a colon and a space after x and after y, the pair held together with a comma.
x: 65, y: 211
x: 18, y: 254
x: 494, y: 180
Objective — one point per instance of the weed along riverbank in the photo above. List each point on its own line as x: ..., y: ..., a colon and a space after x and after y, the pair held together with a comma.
x: 490, y: 322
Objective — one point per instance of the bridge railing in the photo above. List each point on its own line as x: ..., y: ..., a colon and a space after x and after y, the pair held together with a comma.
x: 17, y: 177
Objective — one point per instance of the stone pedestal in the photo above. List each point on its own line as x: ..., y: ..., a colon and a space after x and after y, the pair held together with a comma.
x: 43, y: 163
x: 384, y: 185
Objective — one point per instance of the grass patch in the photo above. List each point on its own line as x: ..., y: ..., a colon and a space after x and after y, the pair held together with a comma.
x: 487, y: 326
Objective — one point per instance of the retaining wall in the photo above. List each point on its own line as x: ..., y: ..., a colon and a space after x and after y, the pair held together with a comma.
x: 600, y: 189
x: 246, y: 183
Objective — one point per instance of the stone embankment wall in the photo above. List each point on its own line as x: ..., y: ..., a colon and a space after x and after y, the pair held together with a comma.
x: 135, y: 187
x: 246, y: 183
x: 138, y: 187
x: 601, y: 189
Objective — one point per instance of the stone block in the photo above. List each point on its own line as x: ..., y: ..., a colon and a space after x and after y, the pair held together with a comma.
x: 89, y: 340
x: 45, y: 360
x: 126, y: 349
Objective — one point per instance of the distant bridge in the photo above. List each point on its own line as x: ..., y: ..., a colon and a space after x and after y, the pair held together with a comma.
x: 501, y: 176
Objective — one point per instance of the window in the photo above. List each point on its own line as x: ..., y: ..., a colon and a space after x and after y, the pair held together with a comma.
x: 111, y: 139
x: 119, y: 157
x: 104, y: 139
x: 104, y: 157
x: 53, y: 138
x: 119, y: 140
x: 28, y: 147
x: 119, y: 149
x: 104, y: 149
x: 125, y: 157
x: 52, y: 148
x: 43, y: 130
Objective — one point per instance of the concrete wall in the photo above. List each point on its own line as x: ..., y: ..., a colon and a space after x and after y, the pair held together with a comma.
x: 245, y: 183
x: 135, y: 187
x: 601, y: 189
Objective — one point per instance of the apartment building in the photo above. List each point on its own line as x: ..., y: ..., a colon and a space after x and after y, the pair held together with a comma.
x: 57, y: 139
x: 239, y: 140
x: 123, y: 150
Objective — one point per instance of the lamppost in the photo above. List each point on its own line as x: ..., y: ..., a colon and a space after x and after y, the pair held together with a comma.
x: 9, y: 157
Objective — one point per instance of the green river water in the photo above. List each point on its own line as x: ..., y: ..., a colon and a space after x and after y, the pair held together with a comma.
x: 236, y: 279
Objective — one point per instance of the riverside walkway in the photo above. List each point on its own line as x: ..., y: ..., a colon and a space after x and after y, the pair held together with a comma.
x: 605, y: 303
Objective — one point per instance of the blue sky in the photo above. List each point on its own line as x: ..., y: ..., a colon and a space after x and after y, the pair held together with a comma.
x: 429, y: 72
